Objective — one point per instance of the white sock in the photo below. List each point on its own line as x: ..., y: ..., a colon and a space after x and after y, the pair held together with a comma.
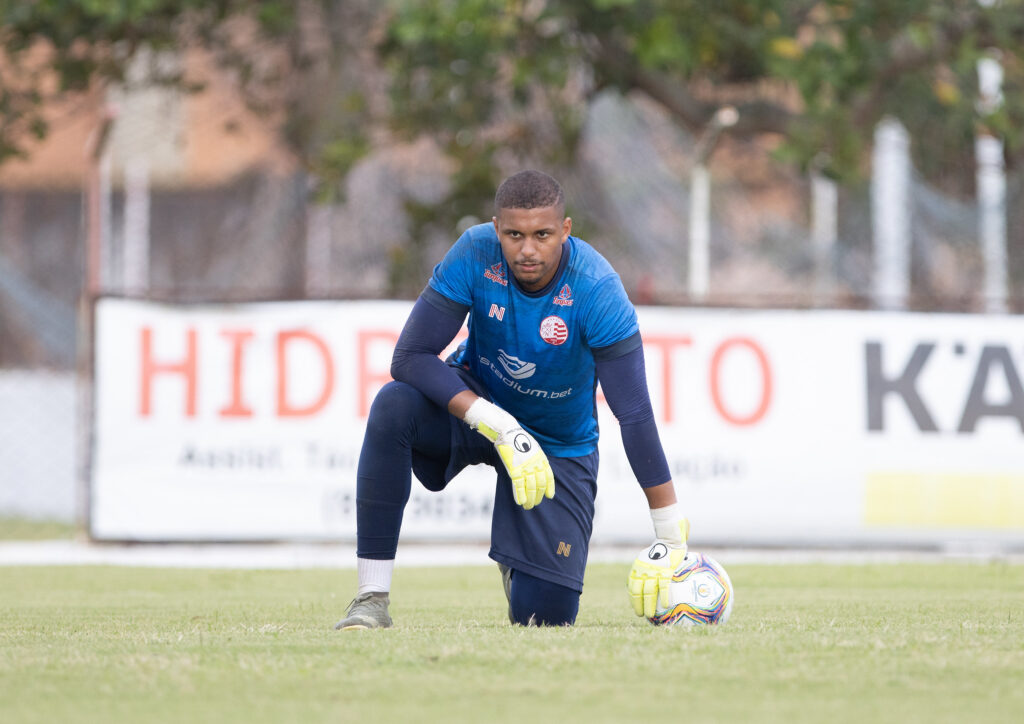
x: 374, y: 575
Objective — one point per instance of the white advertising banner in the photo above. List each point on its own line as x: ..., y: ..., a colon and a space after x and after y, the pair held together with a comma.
x: 244, y: 422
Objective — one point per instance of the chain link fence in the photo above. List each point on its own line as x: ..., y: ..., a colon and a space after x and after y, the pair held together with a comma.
x: 192, y: 210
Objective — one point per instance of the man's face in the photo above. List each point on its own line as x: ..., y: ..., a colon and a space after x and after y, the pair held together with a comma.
x: 531, y: 240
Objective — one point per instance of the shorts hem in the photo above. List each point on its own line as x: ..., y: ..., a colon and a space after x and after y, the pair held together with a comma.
x: 542, y: 573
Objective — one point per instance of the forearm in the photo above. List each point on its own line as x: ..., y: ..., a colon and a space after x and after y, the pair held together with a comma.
x: 627, y: 396
x: 660, y: 496
x: 624, y: 382
x: 644, y: 450
x: 458, y: 405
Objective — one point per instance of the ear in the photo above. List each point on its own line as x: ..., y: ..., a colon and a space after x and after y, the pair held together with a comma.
x: 494, y: 220
x: 566, y: 228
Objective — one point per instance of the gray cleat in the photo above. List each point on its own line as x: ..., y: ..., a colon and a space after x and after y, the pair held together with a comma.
x: 506, y: 581
x: 367, y: 610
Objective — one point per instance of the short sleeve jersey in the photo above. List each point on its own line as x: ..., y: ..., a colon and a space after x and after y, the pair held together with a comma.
x: 534, y: 351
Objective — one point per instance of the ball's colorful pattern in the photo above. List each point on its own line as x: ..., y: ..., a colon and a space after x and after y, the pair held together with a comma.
x: 701, y: 594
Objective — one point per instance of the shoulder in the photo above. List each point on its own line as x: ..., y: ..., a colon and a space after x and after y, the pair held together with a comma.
x: 476, y: 251
x: 606, y: 314
x: 480, y: 236
x: 477, y: 245
x: 589, y: 268
x: 588, y: 263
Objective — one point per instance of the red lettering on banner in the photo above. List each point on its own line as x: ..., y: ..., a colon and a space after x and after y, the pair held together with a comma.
x: 284, y: 407
x: 371, y: 381
x: 766, y: 381
x: 150, y: 368
x: 666, y: 344
x: 236, y: 407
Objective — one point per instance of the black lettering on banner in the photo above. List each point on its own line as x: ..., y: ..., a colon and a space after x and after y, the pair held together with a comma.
x: 879, y: 386
x: 338, y: 506
x: 713, y: 468
x: 241, y: 457
x: 977, y: 406
x: 322, y: 456
x: 448, y: 507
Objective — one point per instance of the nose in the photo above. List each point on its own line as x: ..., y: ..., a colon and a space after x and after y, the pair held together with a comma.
x: 529, y: 248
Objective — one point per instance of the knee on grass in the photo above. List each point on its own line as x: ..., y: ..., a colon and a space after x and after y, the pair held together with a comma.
x: 536, y: 602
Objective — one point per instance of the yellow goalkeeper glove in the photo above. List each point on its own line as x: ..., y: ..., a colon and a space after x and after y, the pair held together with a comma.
x: 525, y: 461
x: 650, y: 578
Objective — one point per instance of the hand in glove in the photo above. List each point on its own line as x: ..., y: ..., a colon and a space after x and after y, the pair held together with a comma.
x: 525, y: 461
x: 651, y: 575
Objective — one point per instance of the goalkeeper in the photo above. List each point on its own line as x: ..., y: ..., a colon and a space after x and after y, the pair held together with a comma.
x: 548, y: 319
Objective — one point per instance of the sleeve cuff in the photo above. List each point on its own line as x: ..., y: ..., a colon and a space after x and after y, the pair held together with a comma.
x: 443, y: 304
x: 618, y: 349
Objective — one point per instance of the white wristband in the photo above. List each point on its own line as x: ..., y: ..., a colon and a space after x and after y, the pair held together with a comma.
x: 666, y: 524
x: 482, y: 411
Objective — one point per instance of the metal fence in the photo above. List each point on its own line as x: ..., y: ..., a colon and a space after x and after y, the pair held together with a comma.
x: 258, y: 235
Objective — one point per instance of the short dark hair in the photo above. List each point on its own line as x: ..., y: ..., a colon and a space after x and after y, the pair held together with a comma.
x: 528, y: 190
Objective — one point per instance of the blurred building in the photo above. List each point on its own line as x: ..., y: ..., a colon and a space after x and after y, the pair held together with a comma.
x: 152, y: 192
x: 172, y: 173
x: 166, y: 188
x: 181, y: 196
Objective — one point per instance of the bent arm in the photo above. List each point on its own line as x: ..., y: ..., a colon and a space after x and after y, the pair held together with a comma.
x: 624, y: 382
x: 660, y: 496
x: 625, y: 388
x: 431, y: 326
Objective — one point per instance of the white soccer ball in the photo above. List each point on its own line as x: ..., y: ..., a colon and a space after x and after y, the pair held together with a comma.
x: 700, y: 594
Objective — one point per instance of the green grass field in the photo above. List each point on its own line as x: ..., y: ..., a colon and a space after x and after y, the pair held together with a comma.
x: 21, y: 529
x: 806, y: 643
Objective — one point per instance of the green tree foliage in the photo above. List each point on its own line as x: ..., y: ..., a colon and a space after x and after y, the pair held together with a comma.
x: 493, y: 77
x: 504, y: 82
x: 288, y: 59
x: 51, y: 48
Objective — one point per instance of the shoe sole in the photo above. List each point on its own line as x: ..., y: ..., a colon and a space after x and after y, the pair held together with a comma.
x: 359, y: 626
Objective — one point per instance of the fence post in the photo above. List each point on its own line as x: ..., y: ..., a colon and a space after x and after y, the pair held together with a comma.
x: 890, y: 215
x: 136, y: 247
x: 319, y: 242
x: 700, y: 204
x: 991, y: 182
x: 824, y: 232
x: 700, y: 232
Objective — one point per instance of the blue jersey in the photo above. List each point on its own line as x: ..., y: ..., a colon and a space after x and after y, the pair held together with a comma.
x: 534, y: 351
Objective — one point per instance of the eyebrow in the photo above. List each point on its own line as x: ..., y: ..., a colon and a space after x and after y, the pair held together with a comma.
x: 510, y: 229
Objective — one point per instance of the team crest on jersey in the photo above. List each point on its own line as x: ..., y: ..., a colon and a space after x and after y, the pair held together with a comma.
x: 553, y: 330
x: 564, y: 298
x: 497, y: 274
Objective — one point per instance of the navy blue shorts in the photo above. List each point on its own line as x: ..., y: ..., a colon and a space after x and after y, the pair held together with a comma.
x: 549, y: 541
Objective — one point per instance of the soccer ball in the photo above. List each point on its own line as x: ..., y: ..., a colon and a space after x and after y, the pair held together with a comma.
x: 701, y: 593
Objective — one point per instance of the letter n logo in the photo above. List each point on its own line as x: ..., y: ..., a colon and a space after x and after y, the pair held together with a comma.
x: 564, y: 548
x: 496, y: 311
